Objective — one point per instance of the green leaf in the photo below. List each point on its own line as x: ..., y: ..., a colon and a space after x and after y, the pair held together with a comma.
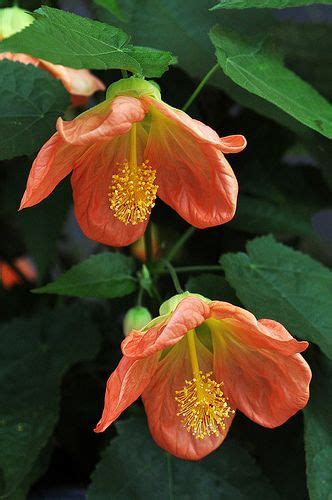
x: 274, y: 281
x: 112, y: 6
x: 105, y: 275
x: 266, y: 4
x: 30, y: 100
x: 317, y: 430
x: 250, y: 63
x: 133, y: 466
x: 77, y: 42
x: 34, y: 354
x: 41, y: 227
x: 212, y: 286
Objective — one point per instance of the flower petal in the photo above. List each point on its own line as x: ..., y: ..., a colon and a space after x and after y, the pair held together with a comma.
x: 22, y: 58
x: 124, y: 386
x: 263, y: 375
x: 159, y: 400
x: 91, y: 182
x: 190, y: 313
x: 54, y: 161
x: 103, y: 122
x: 79, y: 82
x: 233, y: 143
x: 270, y: 332
x: 193, y: 175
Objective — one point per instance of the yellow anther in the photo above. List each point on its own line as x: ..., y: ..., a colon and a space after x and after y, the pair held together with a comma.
x: 201, y: 403
x: 133, y: 190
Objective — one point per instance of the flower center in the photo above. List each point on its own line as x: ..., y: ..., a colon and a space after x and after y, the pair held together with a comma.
x: 201, y: 403
x: 133, y: 190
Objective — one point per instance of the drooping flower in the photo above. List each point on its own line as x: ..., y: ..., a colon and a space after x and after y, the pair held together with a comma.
x: 9, y: 277
x: 197, y: 363
x: 80, y: 83
x: 126, y: 151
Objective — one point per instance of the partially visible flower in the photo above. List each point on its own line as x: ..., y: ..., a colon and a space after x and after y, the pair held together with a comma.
x: 200, y: 361
x: 80, y: 83
x: 126, y: 151
x: 135, y: 319
x: 138, y: 248
x: 10, y: 277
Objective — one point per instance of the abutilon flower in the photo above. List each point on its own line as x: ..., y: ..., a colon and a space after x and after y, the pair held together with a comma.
x: 80, y: 83
x: 9, y: 276
x: 197, y: 363
x: 126, y: 151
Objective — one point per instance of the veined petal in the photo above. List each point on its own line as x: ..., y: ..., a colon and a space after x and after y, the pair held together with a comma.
x: 256, y: 333
x: 91, y: 182
x: 103, y: 122
x: 193, y: 175
x: 190, y: 313
x: 79, y: 82
x: 22, y: 58
x: 161, y: 407
x: 124, y: 386
x: 263, y: 375
x: 55, y: 160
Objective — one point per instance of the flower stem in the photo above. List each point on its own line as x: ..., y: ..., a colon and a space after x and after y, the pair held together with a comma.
x: 148, y: 245
x: 173, y: 275
x: 180, y: 242
x: 203, y: 82
x: 191, y: 269
x: 124, y: 73
x: 140, y: 296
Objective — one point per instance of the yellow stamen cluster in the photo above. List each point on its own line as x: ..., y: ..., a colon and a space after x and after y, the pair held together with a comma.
x: 203, y: 406
x: 133, y: 192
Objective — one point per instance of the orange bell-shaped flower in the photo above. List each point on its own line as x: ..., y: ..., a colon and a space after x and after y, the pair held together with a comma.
x: 200, y: 361
x: 127, y: 151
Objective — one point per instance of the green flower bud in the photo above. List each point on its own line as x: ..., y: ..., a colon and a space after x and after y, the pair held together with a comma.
x: 135, y: 319
x: 170, y: 305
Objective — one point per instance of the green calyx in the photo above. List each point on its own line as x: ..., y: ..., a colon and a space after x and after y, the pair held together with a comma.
x: 12, y: 20
x: 170, y: 305
x: 135, y: 87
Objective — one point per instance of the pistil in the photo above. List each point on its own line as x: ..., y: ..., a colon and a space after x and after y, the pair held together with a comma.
x: 201, y: 403
x: 133, y: 190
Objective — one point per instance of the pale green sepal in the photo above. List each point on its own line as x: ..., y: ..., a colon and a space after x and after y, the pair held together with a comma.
x: 170, y: 305
x: 135, y: 87
x: 135, y: 319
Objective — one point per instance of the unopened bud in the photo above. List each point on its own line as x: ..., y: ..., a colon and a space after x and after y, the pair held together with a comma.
x: 135, y: 319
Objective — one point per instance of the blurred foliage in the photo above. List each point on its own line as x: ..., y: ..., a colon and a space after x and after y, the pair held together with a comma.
x: 59, y: 345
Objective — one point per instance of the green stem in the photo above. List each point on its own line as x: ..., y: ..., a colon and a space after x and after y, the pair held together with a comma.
x: 191, y: 269
x: 140, y: 296
x: 148, y: 245
x: 179, y: 244
x: 124, y: 73
x: 200, y: 86
x: 174, y: 276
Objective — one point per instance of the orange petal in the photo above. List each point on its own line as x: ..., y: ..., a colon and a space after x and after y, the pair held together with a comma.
x: 190, y: 313
x: 91, y: 182
x: 263, y: 373
x: 233, y: 143
x: 271, y: 332
x: 124, y: 386
x: 54, y: 162
x: 9, y: 276
x: 79, y: 82
x: 159, y: 400
x: 103, y: 122
x: 22, y: 58
x: 193, y: 175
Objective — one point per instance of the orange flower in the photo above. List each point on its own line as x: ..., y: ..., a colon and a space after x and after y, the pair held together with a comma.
x: 137, y: 249
x: 200, y: 361
x: 127, y: 150
x: 80, y: 83
x: 9, y: 277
